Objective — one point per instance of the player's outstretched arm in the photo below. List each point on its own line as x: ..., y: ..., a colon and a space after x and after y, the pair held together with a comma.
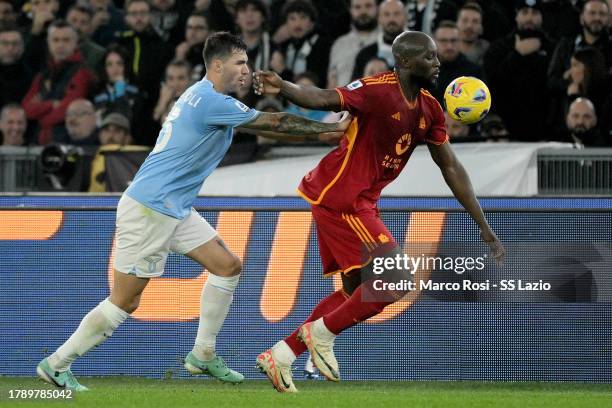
x: 311, y: 97
x: 287, y: 123
x: 331, y: 138
x: 459, y: 182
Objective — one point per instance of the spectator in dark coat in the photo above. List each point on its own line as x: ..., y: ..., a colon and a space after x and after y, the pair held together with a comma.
x: 15, y: 75
x: 515, y: 68
x: 306, y: 49
x: 594, y: 20
x: 149, y: 56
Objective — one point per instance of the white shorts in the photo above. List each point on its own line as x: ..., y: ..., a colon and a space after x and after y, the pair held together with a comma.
x: 145, y: 237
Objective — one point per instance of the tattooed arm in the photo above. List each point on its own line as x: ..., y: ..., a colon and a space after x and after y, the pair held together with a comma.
x: 295, y: 125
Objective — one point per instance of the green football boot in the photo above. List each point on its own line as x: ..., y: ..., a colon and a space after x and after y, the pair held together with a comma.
x: 215, y: 368
x: 61, y: 379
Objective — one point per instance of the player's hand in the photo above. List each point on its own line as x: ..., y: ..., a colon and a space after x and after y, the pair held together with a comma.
x: 344, y: 121
x: 573, y: 89
x: 498, y: 252
x: 267, y: 83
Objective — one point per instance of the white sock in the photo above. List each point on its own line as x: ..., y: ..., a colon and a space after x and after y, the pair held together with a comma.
x: 95, y: 328
x: 283, y: 353
x: 322, y: 331
x: 215, y: 302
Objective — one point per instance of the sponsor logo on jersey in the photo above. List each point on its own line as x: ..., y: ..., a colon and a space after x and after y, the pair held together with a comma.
x: 396, y: 116
x: 354, y: 85
x: 242, y: 106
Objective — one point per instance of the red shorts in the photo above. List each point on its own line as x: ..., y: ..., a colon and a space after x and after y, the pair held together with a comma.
x: 346, y: 240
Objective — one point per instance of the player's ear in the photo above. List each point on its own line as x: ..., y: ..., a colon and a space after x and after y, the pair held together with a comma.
x: 405, y: 62
x: 218, y: 65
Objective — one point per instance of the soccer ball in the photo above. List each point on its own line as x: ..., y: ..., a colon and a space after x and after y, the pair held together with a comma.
x: 467, y: 100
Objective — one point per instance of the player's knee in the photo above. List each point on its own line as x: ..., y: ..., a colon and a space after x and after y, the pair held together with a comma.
x: 130, y: 305
x: 234, y: 267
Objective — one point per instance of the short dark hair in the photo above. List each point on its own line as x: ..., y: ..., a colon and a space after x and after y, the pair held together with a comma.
x: 470, y: 5
x: 300, y: 6
x: 61, y: 23
x: 203, y: 14
x: 81, y: 9
x: 258, y: 4
x: 128, y: 3
x: 585, y: 2
x: 180, y: 64
x: 446, y: 24
x: 10, y: 28
x: 222, y: 44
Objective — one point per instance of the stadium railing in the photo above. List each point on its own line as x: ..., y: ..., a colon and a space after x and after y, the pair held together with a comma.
x: 19, y: 168
x: 568, y: 171
x: 561, y: 171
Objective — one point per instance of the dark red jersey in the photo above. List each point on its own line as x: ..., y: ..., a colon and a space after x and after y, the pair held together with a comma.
x: 375, y: 148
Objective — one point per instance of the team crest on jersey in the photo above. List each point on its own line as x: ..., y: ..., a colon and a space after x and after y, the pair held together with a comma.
x: 242, y: 106
x: 403, y: 143
x: 354, y: 85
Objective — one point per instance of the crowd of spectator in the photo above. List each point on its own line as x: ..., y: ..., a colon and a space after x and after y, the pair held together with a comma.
x: 94, y: 72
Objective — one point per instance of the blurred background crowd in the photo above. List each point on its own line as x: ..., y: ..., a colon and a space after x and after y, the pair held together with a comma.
x: 104, y: 72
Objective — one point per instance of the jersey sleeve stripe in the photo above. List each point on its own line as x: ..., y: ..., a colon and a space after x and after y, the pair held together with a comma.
x: 380, y: 78
x: 438, y: 143
x: 341, y: 99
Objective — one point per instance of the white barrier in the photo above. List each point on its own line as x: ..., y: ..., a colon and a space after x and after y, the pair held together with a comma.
x: 496, y: 169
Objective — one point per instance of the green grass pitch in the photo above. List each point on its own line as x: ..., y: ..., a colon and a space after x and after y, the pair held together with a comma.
x: 134, y: 392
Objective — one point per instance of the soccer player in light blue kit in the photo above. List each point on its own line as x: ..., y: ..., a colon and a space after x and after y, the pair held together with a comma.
x: 155, y: 214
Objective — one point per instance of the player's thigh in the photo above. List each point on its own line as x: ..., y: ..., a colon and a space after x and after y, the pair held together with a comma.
x: 351, y: 239
x: 142, y: 239
x: 351, y: 281
x: 195, y: 238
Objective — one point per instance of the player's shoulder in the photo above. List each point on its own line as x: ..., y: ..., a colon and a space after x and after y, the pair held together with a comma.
x: 382, y: 79
x: 374, y: 83
x: 205, y: 89
x: 429, y: 100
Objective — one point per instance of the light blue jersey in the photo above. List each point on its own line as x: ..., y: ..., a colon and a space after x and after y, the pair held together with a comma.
x: 193, y: 140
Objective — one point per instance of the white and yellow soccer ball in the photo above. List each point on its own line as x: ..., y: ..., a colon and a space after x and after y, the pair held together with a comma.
x: 467, y: 100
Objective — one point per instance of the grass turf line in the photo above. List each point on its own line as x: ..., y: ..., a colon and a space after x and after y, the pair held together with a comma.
x: 136, y: 392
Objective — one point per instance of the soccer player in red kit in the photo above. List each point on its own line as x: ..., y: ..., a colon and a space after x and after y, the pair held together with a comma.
x: 392, y: 114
